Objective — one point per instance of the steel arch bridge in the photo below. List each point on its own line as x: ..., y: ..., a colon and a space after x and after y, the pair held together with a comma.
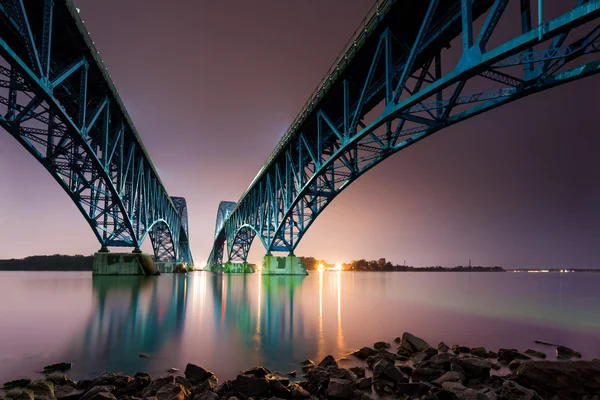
x: 398, y: 81
x: 57, y: 99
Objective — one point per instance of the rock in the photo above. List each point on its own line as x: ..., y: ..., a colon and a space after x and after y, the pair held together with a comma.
x: 411, y: 344
x: 316, y: 379
x: 383, y: 386
x: 507, y: 355
x: 398, y: 339
x: 450, y: 376
x: 546, y: 343
x: 385, y: 369
x: 534, y: 353
x: 456, y: 349
x: 156, y: 385
x: 209, y: 384
x: 474, y: 367
x: 358, y: 371
x: 463, y: 393
x: 172, y: 370
x: 16, y: 383
x: 112, y: 379
x: 196, y: 374
x: 341, y: 373
x: 339, y: 389
x: 42, y: 389
x: 479, y: 352
x: 412, y: 389
x: 496, y: 366
x: 424, y: 355
x: 90, y: 394
x: 20, y: 394
x: 281, y: 379
x: 514, y: 364
x: 142, y: 355
x: 58, y: 379
x: 440, y: 361
x: 67, y: 392
x: 206, y: 395
x: 492, y: 354
x: 251, y: 385
x: 292, y: 373
x: 103, y: 396
x: 364, y: 353
x: 566, y: 353
x: 141, y: 375
x: 364, y: 383
x: 298, y: 392
x: 328, y: 361
x: 425, y: 374
x: 279, y: 390
x: 183, y: 382
x: 381, y: 345
x: 564, y: 379
x: 443, y: 347
x: 307, y: 362
x: 63, y: 366
x: 259, y: 372
x: 406, y: 369
x: 511, y: 390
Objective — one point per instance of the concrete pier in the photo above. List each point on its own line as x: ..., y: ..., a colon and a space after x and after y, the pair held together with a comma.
x: 237, y: 268
x: 123, y: 264
x: 290, y: 265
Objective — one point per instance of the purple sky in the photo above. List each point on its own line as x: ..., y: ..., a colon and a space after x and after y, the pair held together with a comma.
x: 212, y: 86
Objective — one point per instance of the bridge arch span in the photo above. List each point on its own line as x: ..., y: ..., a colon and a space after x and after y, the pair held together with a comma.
x: 58, y: 101
x: 382, y: 96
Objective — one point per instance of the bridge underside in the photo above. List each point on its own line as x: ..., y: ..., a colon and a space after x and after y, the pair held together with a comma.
x: 58, y: 101
x: 413, y: 69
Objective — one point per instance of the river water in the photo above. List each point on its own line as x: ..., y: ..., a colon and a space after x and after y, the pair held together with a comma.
x: 231, y: 322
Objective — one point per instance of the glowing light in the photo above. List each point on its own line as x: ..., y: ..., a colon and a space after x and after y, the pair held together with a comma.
x: 321, y: 267
x: 259, y: 268
x: 338, y: 267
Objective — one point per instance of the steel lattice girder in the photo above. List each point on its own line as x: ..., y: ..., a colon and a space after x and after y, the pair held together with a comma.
x: 58, y: 101
x: 390, y: 89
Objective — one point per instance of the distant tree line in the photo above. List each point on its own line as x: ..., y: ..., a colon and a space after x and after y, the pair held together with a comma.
x: 56, y: 262
x: 382, y: 264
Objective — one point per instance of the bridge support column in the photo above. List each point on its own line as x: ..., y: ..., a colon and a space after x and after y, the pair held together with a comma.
x: 290, y: 265
x: 237, y: 268
x: 123, y: 264
x: 171, y: 267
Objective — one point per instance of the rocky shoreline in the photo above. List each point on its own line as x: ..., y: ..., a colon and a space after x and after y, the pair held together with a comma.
x: 416, y: 370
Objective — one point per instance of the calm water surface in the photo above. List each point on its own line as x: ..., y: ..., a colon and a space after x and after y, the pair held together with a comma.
x: 230, y: 322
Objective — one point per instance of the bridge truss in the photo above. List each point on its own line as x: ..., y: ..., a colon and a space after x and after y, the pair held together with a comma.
x: 58, y: 100
x: 400, y: 79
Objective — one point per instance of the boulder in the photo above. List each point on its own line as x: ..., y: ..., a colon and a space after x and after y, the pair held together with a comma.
x: 134, y: 387
x: 398, y: 339
x: 424, y: 355
x: 42, y: 390
x: 441, y: 361
x: 292, y: 373
x: 358, y: 371
x: 63, y: 366
x: 196, y: 374
x: 450, y: 376
x: 406, y: 369
x: 514, y: 365
x: 364, y: 383
x: 316, y: 379
x: 411, y: 344
x: 443, y: 347
x: 564, y: 379
x: 67, y: 392
x: 381, y: 345
x: 183, y: 382
x: 341, y: 373
x: 456, y: 349
x: 58, y: 379
x: 156, y: 385
x: 307, y: 362
x: 279, y: 390
x: 492, y: 354
x: 425, y: 374
x: 16, y: 383
x: 385, y: 369
x: 383, y: 387
x: 328, y: 361
x: 507, y: 355
x: 206, y: 395
x: 474, y: 367
x: 339, y: 389
x: 412, y: 389
x: 115, y: 379
x: 535, y: 353
x: 511, y: 390
x: 90, y: 394
x: 463, y: 393
x: 103, y: 396
x: 298, y: 392
x: 250, y: 385
x: 566, y: 353
x: 20, y: 394
x: 259, y: 372
x: 364, y: 353
x: 479, y: 352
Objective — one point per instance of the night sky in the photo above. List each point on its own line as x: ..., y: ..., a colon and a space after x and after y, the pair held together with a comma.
x: 212, y: 86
